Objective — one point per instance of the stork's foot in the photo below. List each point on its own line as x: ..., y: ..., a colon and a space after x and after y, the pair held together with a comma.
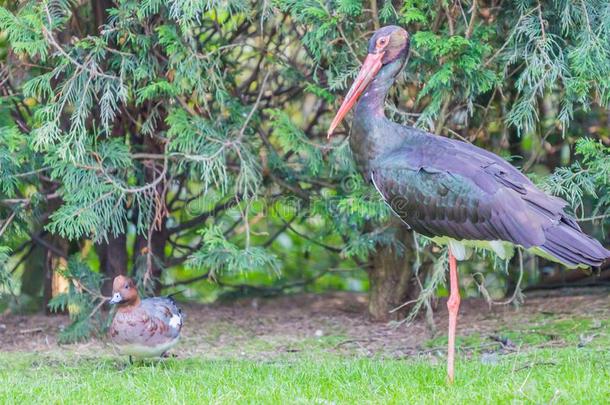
x: 131, y: 360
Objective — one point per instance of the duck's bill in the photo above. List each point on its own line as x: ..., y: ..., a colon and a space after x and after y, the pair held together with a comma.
x: 369, y: 69
x: 116, y: 299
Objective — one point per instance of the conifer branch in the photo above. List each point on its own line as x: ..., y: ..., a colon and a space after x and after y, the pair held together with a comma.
x: 541, y: 20
x: 348, y: 43
x: 95, y: 72
x: 375, y: 14
x: 473, y: 17
x: 254, y: 107
x: 7, y: 222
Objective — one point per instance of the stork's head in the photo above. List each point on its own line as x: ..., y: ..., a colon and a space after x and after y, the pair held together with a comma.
x: 391, y: 42
x: 124, y: 291
x: 389, y: 48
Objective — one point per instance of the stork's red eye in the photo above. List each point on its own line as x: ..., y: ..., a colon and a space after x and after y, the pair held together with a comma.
x: 381, y: 42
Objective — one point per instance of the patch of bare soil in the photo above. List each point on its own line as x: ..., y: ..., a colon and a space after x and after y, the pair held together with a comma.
x: 261, y: 328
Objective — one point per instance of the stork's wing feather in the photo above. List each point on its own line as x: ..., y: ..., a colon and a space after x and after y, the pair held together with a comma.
x: 441, y: 187
x: 441, y: 203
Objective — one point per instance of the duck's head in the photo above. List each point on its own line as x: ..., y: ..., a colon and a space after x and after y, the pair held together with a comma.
x: 124, y: 291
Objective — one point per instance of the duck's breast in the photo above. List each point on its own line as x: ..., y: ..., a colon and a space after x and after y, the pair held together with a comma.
x: 146, y: 350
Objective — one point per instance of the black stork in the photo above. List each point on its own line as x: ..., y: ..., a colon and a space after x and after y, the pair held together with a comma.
x: 451, y: 191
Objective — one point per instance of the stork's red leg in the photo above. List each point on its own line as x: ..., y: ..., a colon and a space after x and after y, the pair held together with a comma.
x: 453, y: 304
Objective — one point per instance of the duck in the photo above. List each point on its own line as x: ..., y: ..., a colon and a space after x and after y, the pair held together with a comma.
x: 143, y: 328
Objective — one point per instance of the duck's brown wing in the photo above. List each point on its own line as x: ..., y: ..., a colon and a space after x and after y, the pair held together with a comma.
x: 166, y: 311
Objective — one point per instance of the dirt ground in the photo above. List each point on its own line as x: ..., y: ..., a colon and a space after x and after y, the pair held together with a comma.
x: 337, y: 322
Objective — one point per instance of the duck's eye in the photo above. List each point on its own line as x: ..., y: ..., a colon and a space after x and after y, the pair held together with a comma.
x: 127, y: 286
x: 381, y: 42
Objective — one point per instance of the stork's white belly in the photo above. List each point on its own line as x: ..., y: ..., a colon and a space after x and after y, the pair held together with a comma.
x: 462, y: 249
x: 143, y: 351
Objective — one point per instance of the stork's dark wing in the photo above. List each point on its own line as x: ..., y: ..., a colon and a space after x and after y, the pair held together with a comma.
x: 441, y: 187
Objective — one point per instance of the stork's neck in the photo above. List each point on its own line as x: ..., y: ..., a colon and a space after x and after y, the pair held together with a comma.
x: 372, y: 133
x: 372, y: 101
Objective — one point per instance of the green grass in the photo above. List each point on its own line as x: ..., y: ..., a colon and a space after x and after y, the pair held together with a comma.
x: 543, y: 365
x: 567, y: 375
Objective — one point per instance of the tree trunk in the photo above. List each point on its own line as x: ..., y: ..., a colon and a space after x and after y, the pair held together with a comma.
x: 32, y: 278
x: 100, y: 12
x: 159, y: 240
x: 54, y: 283
x: 392, y: 282
x: 113, y: 260
x: 56, y: 251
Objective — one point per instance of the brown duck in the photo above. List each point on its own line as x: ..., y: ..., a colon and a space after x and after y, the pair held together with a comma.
x: 143, y: 328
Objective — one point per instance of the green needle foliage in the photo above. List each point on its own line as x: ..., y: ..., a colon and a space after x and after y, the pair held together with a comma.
x: 185, y: 140
x: 587, y: 178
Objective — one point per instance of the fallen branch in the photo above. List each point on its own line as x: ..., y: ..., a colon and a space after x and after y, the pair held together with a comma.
x: 536, y: 363
x: 28, y: 331
x: 345, y: 342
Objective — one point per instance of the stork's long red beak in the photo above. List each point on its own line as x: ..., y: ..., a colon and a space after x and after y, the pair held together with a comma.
x: 369, y: 69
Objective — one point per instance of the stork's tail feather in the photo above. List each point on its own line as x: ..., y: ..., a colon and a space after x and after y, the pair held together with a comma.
x: 574, y: 248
